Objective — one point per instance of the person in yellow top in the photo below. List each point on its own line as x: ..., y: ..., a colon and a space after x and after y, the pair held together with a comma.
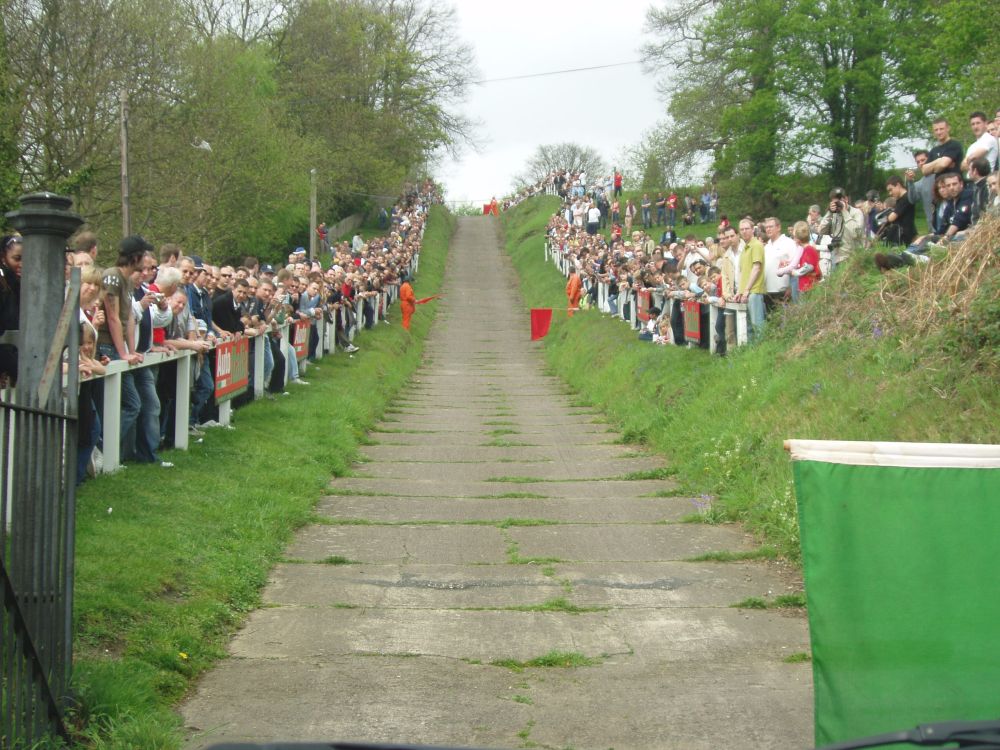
x: 574, y: 290
x: 751, y: 286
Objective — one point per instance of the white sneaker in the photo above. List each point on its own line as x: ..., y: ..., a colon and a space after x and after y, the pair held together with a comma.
x: 166, y: 465
x: 300, y: 381
x: 96, y: 465
x: 209, y: 423
x: 351, y: 348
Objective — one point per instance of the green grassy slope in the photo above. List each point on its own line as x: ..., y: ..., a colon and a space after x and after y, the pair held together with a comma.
x: 839, y: 366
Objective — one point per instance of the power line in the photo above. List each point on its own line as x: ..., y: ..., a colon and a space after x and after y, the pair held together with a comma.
x: 557, y: 72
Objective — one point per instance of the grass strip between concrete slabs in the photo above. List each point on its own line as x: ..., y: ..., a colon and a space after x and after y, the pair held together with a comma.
x: 170, y: 562
x: 553, y: 659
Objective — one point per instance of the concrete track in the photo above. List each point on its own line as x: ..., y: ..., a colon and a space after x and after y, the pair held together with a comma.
x: 494, y: 525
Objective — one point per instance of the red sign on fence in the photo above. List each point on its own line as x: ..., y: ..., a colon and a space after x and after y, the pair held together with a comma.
x: 232, y: 369
x: 301, y: 339
x: 692, y: 321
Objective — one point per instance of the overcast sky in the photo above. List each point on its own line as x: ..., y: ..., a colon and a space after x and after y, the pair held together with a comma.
x: 604, y: 109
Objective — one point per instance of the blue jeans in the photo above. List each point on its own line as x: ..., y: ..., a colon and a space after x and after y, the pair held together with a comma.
x: 268, y: 358
x: 661, y: 215
x: 646, y: 220
x: 293, y: 362
x: 130, y: 402
x: 755, y: 313
x: 147, y: 435
x: 673, y: 217
x: 204, y: 386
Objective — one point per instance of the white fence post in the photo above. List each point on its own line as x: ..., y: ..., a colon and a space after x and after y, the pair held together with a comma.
x: 182, y: 398
x: 260, y: 341
x: 111, y: 419
x: 713, y: 317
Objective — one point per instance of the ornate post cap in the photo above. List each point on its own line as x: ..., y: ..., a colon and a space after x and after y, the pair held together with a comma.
x: 45, y: 213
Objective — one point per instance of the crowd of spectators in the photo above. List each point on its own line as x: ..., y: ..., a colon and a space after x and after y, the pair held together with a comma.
x: 162, y: 300
x: 755, y: 263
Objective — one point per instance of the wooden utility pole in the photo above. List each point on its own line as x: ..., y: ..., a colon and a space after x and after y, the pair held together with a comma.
x: 312, y: 214
x: 126, y: 198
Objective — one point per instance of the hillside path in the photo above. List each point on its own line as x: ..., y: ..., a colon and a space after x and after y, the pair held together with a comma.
x: 492, y: 525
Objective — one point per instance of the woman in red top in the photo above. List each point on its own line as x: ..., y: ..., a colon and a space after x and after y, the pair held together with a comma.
x: 805, y: 273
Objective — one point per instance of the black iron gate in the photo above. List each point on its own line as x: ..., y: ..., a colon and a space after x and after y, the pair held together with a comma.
x: 38, y: 448
x: 36, y: 531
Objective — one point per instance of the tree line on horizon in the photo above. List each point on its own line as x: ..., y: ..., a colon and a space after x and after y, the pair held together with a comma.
x: 230, y: 105
x: 761, y: 98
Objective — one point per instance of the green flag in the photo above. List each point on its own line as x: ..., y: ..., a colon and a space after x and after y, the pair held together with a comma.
x: 901, y: 557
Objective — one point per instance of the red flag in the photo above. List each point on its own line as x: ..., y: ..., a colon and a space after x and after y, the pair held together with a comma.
x: 425, y: 300
x: 541, y: 319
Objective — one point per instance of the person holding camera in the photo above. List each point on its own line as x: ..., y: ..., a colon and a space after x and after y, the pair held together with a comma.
x: 844, y: 225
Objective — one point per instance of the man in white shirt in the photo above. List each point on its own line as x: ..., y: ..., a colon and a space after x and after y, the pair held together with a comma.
x: 984, y: 145
x: 780, y: 250
x: 593, y: 218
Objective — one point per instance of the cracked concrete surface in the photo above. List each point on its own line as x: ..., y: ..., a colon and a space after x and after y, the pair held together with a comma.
x: 490, y: 525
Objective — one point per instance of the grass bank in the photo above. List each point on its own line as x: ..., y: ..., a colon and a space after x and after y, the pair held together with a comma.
x: 169, y: 562
x: 858, y: 360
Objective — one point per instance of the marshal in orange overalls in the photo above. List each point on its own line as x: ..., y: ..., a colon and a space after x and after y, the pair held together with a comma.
x: 407, y: 303
x: 574, y: 290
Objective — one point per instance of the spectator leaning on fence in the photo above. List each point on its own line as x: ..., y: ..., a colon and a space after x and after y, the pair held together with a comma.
x: 751, y: 284
x: 152, y: 311
x: 117, y: 336
x: 779, y: 252
x: 11, y: 262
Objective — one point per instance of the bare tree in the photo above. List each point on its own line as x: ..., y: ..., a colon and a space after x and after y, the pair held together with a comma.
x: 556, y: 156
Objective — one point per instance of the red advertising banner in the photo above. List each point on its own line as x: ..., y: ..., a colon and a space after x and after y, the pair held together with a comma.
x: 301, y: 339
x: 692, y: 321
x: 232, y: 369
x: 644, y: 301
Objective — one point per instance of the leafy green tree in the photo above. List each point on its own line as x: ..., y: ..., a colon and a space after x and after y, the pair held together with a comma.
x: 72, y: 59
x: 10, y: 173
x: 726, y: 72
x: 218, y: 170
x: 375, y: 83
x: 813, y: 86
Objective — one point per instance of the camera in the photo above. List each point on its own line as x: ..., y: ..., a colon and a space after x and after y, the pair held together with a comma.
x: 838, y: 196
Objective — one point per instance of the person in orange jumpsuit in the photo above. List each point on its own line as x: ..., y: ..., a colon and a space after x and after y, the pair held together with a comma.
x: 407, y: 302
x: 574, y: 290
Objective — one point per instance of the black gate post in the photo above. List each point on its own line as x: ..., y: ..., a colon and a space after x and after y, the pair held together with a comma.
x: 46, y: 223
x: 39, y: 553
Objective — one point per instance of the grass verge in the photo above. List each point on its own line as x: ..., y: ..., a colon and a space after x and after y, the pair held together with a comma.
x: 841, y: 365
x: 169, y: 563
